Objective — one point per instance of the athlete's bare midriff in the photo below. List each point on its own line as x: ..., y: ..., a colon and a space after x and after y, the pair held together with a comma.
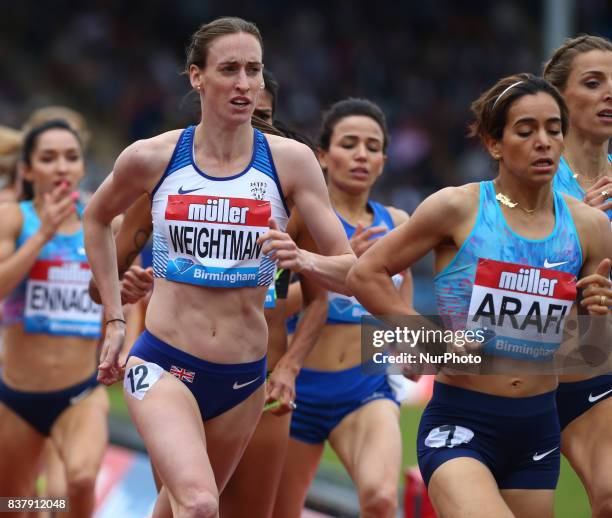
x: 502, y: 385
x: 45, y: 363
x: 338, y: 348
x: 216, y: 325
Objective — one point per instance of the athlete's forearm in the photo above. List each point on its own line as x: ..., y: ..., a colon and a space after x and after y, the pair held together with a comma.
x: 307, y: 332
x: 14, y: 269
x: 100, y: 247
x: 377, y: 293
x: 329, y: 271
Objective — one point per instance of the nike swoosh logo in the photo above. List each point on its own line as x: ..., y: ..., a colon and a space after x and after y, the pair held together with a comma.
x: 240, y: 385
x: 552, y: 265
x: 187, y: 191
x: 593, y: 398
x: 78, y: 397
x: 540, y: 456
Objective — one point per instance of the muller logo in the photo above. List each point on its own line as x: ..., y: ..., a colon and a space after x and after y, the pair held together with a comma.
x: 217, y: 211
x: 527, y: 280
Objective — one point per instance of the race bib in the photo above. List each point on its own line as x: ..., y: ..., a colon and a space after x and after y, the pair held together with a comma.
x: 213, y: 241
x: 523, y: 307
x: 57, y: 300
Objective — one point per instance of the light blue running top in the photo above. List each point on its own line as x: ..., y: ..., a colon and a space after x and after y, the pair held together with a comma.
x: 510, y: 284
x: 565, y: 182
x: 54, y: 298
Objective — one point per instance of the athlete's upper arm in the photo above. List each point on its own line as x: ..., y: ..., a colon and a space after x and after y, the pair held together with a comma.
x: 134, y: 232
x: 406, y: 289
x: 136, y: 171
x: 303, y: 182
x: 434, y: 221
x: 12, y: 221
x: 597, y: 238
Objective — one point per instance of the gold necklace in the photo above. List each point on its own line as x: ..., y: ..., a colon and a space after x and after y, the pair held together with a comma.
x: 507, y: 201
x: 587, y: 179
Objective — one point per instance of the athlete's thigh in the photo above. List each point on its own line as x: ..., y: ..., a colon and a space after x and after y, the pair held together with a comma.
x: 527, y: 503
x: 169, y: 421
x: 20, y: 452
x: 369, y: 444
x: 464, y: 486
x: 299, y: 469
x: 587, y: 444
x: 80, y: 433
x: 227, y: 435
x: 251, y: 490
x: 55, y: 472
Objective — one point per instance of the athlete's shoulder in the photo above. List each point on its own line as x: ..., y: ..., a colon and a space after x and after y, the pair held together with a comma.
x: 459, y: 199
x: 286, y: 150
x: 149, y: 154
x: 398, y: 216
x: 11, y: 217
x: 586, y: 218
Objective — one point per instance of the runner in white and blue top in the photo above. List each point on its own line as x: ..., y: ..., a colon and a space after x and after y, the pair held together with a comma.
x: 581, y: 69
x: 507, y: 252
x: 194, y: 380
x: 48, y: 385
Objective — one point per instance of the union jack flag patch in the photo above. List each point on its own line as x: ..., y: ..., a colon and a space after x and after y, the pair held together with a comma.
x: 182, y: 374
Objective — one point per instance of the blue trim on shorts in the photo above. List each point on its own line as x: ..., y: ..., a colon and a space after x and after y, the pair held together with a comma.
x: 41, y: 409
x: 573, y: 399
x: 324, y: 398
x: 217, y: 387
x: 517, y: 439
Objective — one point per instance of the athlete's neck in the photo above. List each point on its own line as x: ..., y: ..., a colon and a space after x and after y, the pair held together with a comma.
x: 529, y: 197
x: 219, y: 146
x: 352, y: 207
x: 585, y: 157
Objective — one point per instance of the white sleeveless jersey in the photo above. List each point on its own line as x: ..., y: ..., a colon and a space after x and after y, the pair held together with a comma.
x: 205, y: 229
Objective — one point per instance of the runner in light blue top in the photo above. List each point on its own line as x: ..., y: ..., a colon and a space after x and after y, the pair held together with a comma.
x: 581, y: 69
x: 500, y: 251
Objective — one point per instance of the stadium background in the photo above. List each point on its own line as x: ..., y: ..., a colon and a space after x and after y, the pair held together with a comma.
x: 119, y: 64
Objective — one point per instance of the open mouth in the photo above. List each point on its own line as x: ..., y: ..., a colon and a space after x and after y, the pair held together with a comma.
x: 542, y: 162
x: 605, y: 114
x: 240, y: 102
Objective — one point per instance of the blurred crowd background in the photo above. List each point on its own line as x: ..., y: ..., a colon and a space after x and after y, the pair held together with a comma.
x: 120, y: 63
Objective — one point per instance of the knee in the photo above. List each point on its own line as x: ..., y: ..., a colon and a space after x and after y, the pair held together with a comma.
x: 81, y: 481
x: 603, y: 508
x: 201, y: 504
x: 379, y: 502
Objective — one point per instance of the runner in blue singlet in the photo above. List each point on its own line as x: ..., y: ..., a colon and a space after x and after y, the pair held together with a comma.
x: 511, y: 248
x: 48, y: 386
x: 336, y: 401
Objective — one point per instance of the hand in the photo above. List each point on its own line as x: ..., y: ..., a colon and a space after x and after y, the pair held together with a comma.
x: 596, y: 289
x: 57, y: 206
x: 593, y: 195
x: 362, y: 239
x: 281, y: 248
x: 281, y: 387
x: 137, y: 283
x: 110, y: 370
